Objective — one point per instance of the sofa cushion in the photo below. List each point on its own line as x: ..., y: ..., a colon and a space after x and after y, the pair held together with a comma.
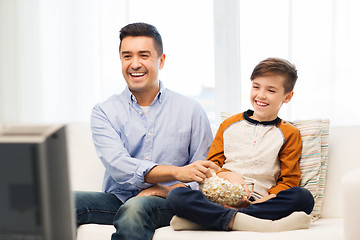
x: 313, y: 161
x: 325, y: 228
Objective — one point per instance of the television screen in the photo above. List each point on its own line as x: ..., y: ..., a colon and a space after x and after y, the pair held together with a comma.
x: 36, y: 202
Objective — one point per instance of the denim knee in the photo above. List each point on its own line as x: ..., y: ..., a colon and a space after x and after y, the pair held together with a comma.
x: 176, y: 199
x: 140, y: 216
x: 95, y: 207
x: 136, y: 207
x: 305, y: 200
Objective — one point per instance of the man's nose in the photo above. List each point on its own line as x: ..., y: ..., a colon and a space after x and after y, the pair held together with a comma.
x: 136, y: 63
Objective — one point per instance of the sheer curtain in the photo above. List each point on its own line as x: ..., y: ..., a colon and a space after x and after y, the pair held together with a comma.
x: 58, y: 58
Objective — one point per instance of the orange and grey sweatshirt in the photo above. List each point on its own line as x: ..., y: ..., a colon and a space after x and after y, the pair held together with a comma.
x: 266, y: 153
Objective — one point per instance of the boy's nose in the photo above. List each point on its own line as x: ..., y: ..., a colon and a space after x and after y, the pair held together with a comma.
x: 261, y: 95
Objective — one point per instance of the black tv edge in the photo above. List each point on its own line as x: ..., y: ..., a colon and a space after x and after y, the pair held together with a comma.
x: 36, y: 201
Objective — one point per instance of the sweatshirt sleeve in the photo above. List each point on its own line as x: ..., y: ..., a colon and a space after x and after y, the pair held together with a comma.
x: 289, y: 157
x: 216, y: 152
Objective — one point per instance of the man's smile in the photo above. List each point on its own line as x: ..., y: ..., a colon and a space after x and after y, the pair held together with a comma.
x: 137, y: 74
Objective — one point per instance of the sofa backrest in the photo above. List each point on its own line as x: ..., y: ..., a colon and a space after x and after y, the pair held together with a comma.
x: 86, y: 169
x: 344, y: 155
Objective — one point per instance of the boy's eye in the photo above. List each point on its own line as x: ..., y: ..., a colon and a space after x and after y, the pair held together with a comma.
x: 272, y: 91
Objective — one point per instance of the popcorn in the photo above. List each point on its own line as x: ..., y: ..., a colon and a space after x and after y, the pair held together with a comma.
x: 221, y: 191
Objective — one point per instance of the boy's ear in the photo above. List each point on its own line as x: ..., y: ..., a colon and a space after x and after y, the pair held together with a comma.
x: 288, y: 96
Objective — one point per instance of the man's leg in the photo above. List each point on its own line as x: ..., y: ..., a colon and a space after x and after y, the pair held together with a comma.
x: 139, y: 217
x: 294, y: 199
x: 95, y: 207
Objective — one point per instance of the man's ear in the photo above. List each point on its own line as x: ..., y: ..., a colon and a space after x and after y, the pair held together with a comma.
x: 162, y: 61
x: 288, y: 96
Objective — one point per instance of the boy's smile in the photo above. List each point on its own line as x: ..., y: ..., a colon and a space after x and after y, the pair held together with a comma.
x: 267, y: 96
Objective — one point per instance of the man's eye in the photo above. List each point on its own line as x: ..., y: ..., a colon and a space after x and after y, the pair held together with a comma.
x: 144, y: 55
x: 126, y: 56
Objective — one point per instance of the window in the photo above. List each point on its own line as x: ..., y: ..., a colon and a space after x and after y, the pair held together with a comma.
x: 320, y: 37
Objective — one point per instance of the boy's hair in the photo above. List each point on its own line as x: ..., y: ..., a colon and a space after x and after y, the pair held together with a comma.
x: 277, y: 66
x: 142, y: 29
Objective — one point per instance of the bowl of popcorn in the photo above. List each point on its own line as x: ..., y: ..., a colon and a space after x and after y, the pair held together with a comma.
x: 221, y: 191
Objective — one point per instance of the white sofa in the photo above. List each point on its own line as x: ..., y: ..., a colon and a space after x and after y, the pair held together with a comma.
x: 340, y: 210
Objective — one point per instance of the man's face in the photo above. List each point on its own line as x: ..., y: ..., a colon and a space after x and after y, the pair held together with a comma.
x: 140, y: 64
x: 267, y: 96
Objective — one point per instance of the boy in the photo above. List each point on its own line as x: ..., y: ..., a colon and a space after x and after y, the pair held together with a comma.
x: 261, y: 147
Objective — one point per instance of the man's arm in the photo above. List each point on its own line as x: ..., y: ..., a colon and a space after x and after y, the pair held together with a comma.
x: 110, y: 148
x: 196, y: 171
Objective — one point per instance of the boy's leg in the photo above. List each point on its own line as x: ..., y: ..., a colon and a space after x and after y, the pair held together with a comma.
x: 139, y: 217
x: 95, y: 207
x: 294, y: 199
x: 296, y: 220
x: 197, y: 212
x: 194, y: 206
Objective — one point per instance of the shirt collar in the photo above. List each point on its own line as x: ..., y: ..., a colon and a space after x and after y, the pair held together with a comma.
x: 160, y: 96
x: 249, y: 113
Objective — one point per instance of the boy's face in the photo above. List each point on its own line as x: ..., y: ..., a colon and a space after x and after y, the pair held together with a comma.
x: 140, y: 63
x: 267, y: 96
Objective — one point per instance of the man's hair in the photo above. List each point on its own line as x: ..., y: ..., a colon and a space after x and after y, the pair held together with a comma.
x: 144, y: 30
x: 277, y: 66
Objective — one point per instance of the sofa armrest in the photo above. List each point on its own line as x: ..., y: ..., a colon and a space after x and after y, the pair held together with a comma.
x: 350, y: 183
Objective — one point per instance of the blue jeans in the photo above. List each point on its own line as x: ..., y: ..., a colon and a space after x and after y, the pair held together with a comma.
x: 194, y: 206
x: 137, y: 218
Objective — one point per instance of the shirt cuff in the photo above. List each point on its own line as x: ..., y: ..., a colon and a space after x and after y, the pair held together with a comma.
x: 143, y: 168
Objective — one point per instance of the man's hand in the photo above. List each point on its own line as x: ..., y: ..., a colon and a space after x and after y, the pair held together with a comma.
x: 159, y: 190
x: 196, y: 171
x: 156, y: 190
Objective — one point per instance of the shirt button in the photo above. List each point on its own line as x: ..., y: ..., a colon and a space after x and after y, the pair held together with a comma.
x: 149, y: 133
x: 147, y: 157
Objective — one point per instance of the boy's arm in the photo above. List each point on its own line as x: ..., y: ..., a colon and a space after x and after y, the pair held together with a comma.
x: 216, y: 151
x: 289, y: 157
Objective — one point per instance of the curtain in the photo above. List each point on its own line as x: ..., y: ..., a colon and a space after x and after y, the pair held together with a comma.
x: 58, y: 58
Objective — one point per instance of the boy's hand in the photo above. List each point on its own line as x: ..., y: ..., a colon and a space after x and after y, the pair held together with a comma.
x: 235, y: 178
x: 264, y: 199
x: 244, y: 204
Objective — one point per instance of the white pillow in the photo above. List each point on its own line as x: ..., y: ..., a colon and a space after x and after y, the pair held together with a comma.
x: 313, y: 161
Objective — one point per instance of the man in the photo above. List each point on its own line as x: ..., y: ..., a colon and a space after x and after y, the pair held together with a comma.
x: 149, y: 139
